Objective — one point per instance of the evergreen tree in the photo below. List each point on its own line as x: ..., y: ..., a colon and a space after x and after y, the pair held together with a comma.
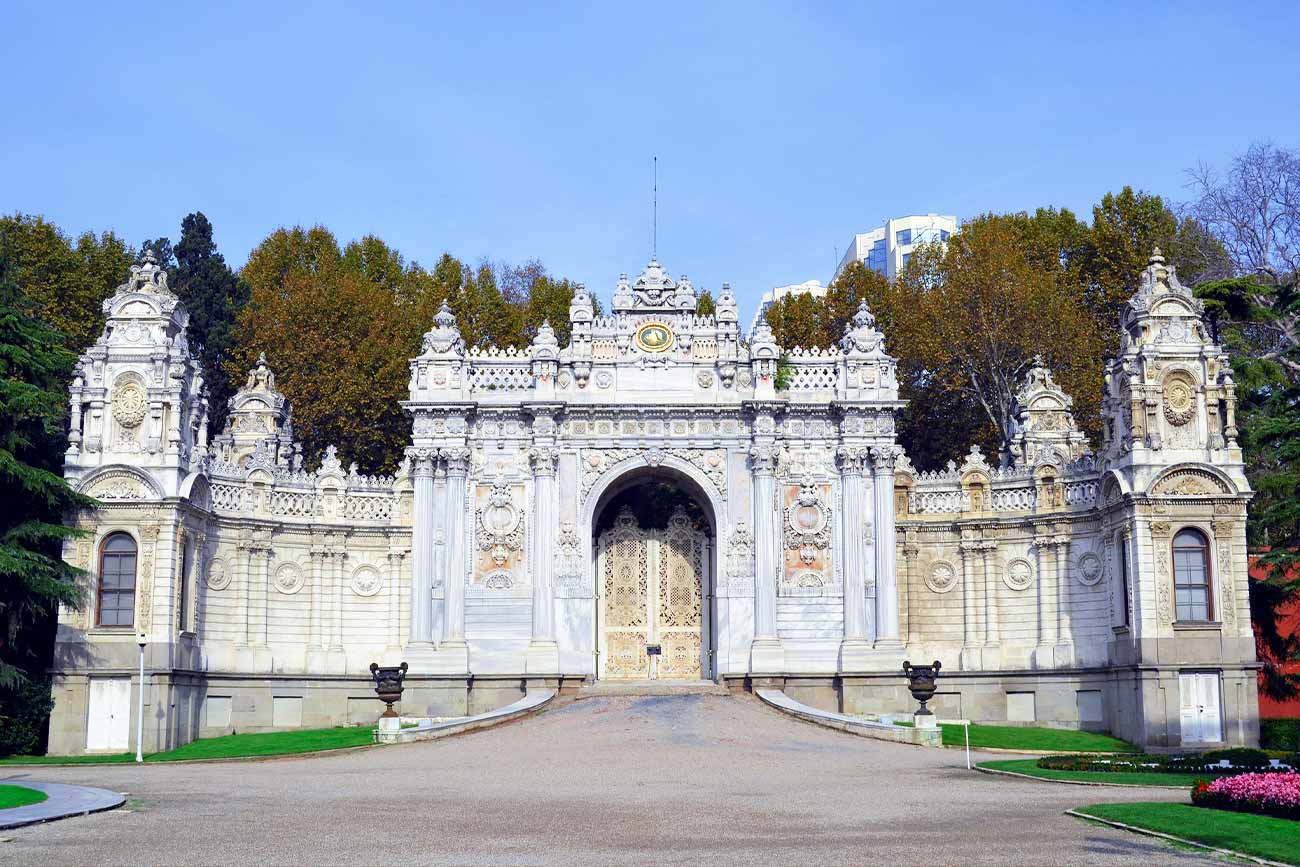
x: 214, y: 295
x: 34, y: 579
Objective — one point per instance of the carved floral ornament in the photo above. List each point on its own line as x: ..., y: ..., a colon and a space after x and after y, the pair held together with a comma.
x: 1190, y: 482
x: 502, y: 525
x: 288, y: 578
x: 941, y: 577
x: 807, y: 524
x: 1089, y: 569
x: 1018, y: 574
x: 1180, y: 399
x: 129, y: 405
x: 218, y: 575
x: 366, y: 581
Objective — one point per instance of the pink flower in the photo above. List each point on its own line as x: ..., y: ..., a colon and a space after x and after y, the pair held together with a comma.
x: 1275, y: 791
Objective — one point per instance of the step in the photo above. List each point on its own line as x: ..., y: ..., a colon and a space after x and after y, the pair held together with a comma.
x: 610, y: 688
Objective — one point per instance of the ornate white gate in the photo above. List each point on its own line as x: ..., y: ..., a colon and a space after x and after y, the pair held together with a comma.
x: 654, y: 614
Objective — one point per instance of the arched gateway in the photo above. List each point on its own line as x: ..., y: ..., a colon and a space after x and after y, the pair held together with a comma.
x: 659, y: 497
x: 653, y: 571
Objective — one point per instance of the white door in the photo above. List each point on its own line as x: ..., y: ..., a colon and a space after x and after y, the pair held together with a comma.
x: 1199, y: 716
x: 109, y: 715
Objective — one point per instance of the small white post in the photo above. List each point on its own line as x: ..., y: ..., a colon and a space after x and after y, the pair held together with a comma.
x: 967, y: 727
x: 139, y: 722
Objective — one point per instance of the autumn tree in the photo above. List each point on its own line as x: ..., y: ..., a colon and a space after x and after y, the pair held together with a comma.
x: 705, y: 305
x: 339, y: 343
x: 66, y: 280
x: 983, y: 311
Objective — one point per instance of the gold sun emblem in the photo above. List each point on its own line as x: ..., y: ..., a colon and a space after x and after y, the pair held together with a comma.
x: 653, y: 337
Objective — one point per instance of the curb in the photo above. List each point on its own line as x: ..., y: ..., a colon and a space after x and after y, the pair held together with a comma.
x: 1002, y: 773
x: 64, y: 802
x: 1182, y: 840
x: 783, y: 704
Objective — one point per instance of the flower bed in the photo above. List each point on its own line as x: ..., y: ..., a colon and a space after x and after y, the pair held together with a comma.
x: 1265, y: 794
x: 1214, y: 762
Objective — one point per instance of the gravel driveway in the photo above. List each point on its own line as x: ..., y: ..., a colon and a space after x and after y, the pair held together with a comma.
x: 666, y: 780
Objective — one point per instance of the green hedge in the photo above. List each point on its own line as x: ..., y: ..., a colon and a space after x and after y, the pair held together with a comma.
x: 1241, y: 758
x: 1280, y: 734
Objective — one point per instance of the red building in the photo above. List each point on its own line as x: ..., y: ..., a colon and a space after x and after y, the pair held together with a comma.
x: 1289, y: 621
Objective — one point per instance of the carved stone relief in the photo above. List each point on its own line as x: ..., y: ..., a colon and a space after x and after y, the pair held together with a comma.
x: 1018, y: 574
x: 941, y: 577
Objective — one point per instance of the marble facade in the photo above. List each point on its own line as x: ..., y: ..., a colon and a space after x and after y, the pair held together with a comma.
x: 1042, y: 581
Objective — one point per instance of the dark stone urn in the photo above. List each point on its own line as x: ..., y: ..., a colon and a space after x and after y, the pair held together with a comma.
x: 920, y: 680
x: 388, y: 685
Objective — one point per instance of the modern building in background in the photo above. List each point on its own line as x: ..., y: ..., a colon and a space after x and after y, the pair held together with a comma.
x: 887, y: 248
x: 809, y: 287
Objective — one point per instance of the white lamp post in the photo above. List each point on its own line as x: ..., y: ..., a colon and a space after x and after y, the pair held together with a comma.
x: 139, y: 724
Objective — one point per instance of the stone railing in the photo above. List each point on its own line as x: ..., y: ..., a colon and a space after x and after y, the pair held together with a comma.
x: 969, y: 489
x: 813, y: 371
x: 322, y: 496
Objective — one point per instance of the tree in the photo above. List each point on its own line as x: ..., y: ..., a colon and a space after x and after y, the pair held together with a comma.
x: 796, y: 321
x: 66, y: 281
x: 214, y: 295
x: 1126, y: 226
x: 162, y: 251
x: 339, y: 341
x: 974, y: 315
x: 1255, y: 211
x: 705, y: 305
x: 34, y: 579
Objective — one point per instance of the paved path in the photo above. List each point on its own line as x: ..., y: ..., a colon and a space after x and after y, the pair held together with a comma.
x: 663, y: 780
x: 61, y: 802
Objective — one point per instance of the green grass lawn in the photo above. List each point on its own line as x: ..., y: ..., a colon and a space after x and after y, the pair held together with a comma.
x: 1261, y: 836
x: 227, y: 747
x: 1027, y: 738
x: 1136, y: 778
x: 19, y: 796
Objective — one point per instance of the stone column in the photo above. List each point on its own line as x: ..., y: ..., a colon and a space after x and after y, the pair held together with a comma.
x: 1064, y: 655
x: 882, y: 466
x: 394, y: 597
x: 970, y: 649
x: 315, y: 635
x: 336, y: 613
x: 1044, y: 654
x: 854, y: 648
x: 453, y: 653
x: 766, y: 654
x: 543, y: 652
x: 911, y: 552
x: 420, y: 643
x: 991, y: 658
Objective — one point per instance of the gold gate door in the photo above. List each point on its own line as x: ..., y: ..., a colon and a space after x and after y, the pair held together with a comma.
x: 651, y: 585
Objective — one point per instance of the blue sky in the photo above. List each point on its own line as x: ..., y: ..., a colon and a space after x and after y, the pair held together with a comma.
x: 508, y: 131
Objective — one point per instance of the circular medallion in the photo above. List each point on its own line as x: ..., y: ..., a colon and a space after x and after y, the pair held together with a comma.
x: 1089, y: 569
x: 1018, y: 574
x: 653, y: 337
x: 942, y: 577
x: 1180, y: 401
x: 366, y: 581
x: 129, y: 406
x: 217, y: 577
x: 288, y: 578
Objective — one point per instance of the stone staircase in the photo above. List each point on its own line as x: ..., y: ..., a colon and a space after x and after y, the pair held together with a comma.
x: 621, y: 688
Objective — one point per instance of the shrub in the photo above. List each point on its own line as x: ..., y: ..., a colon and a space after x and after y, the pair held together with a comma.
x: 1239, y: 757
x: 1264, y: 794
x: 1280, y: 734
x: 25, y: 716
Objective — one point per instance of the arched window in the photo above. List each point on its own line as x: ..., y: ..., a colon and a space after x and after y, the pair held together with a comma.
x: 117, y: 581
x: 1192, y: 576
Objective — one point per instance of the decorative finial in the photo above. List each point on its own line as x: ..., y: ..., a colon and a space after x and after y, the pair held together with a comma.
x: 149, y: 258
x: 1156, y: 257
